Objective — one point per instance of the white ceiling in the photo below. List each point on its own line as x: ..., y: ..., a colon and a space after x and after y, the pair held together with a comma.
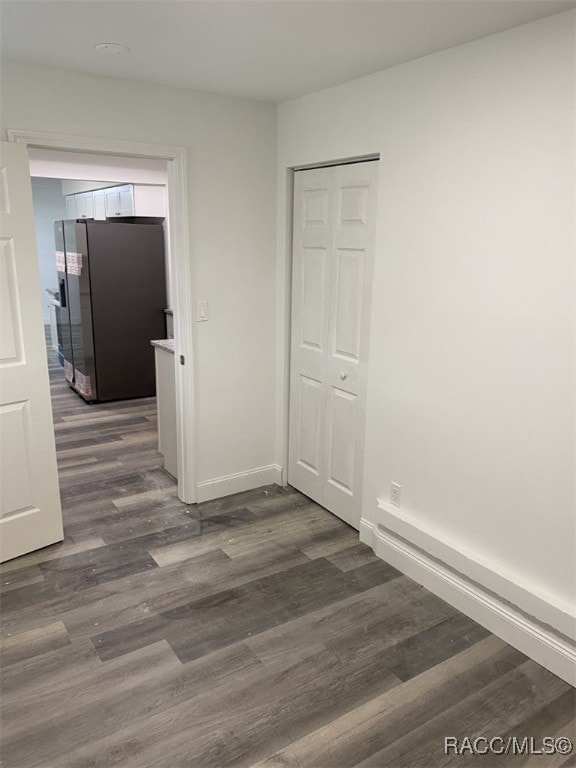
x: 264, y: 49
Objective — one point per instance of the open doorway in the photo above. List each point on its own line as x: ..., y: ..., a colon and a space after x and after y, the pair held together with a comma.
x: 174, y: 160
x: 107, y: 433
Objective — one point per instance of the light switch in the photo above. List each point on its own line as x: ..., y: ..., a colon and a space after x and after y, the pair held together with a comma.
x: 202, y: 311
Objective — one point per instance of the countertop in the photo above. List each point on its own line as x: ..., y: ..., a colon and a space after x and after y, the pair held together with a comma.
x: 166, y: 344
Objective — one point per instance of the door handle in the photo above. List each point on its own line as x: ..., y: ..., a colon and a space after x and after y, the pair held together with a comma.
x: 62, y: 286
x: 343, y: 375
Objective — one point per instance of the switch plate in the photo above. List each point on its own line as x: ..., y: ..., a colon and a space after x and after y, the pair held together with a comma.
x: 202, y: 311
x: 395, y: 494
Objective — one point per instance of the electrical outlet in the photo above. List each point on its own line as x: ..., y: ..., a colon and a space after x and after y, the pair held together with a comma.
x: 395, y: 494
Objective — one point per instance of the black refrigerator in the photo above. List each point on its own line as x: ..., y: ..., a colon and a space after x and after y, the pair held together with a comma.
x: 112, y: 285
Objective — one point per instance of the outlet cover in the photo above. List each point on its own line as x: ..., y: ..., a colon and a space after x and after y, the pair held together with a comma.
x: 395, y: 494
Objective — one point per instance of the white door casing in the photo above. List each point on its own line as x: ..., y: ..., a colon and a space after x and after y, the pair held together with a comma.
x: 333, y: 252
x: 181, y: 276
x: 30, y: 511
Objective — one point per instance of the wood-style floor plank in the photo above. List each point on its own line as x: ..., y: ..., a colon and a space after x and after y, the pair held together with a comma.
x: 500, y: 705
x: 253, y: 630
x: 384, y: 719
x: 26, y: 645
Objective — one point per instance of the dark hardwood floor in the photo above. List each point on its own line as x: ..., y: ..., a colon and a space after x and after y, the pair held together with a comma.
x: 252, y: 630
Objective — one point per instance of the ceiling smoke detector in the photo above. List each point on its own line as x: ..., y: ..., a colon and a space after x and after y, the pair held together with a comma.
x: 112, y: 49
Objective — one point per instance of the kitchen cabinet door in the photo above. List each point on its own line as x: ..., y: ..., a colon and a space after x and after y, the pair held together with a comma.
x: 149, y: 200
x: 120, y: 201
x: 126, y: 195
x: 70, y: 206
x: 112, y: 202
x: 99, y: 202
x: 84, y: 206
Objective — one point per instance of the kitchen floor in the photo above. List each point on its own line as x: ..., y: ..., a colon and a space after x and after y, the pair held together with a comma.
x: 251, y: 630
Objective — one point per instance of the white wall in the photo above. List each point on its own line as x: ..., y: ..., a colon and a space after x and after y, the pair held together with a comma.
x: 49, y: 206
x: 83, y: 166
x: 75, y: 187
x: 471, y: 382
x: 231, y: 148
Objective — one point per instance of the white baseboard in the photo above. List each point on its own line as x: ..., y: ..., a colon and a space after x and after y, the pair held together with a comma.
x: 540, y: 641
x: 240, y: 481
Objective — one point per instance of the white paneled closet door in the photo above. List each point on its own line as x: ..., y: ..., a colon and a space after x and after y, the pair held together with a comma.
x: 333, y: 251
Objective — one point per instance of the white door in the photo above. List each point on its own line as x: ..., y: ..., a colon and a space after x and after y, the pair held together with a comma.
x: 30, y: 512
x: 333, y: 252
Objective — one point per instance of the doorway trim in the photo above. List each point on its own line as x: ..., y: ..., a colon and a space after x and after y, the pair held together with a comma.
x: 181, y: 274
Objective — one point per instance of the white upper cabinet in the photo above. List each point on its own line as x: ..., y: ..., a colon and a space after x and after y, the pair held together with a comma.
x: 120, y: 201
x: 99, y: 201
x: 126, y: 196
x: 84, y: 206
x: 149, y: 200
x: 123, y: 200
x: 70, y: 206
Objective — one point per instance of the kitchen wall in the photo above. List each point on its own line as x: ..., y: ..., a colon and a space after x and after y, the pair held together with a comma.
x: 74, y: 187
x: 76, y: 167
x: 48, y: 207
x: 231, y: 148
x: 471, y: 393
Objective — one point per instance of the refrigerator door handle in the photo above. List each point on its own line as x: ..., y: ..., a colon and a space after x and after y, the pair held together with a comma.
x: 62, y: 288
